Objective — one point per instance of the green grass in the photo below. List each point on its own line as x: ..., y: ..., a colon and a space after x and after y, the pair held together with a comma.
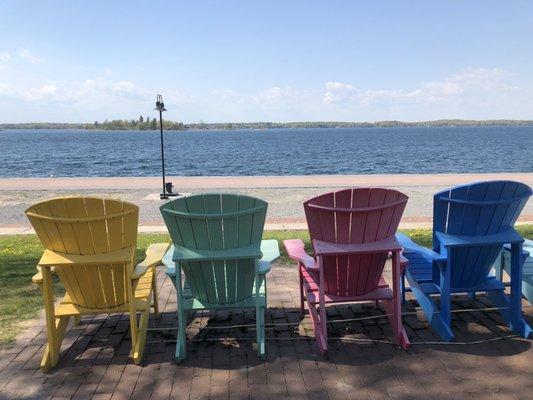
x: 21, y: 299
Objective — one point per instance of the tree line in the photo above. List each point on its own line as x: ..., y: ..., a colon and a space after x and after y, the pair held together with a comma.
x: 153, y: 124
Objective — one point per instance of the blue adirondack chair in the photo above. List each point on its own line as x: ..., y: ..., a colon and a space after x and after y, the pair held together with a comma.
x: 471, y: 224
x: 218, y: 247
x: 503, y: 263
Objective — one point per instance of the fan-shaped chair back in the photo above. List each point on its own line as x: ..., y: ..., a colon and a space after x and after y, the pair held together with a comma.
x: 354, y: 216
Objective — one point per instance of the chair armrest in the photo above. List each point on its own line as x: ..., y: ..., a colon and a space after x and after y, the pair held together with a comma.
x: 270, y: 251
x: 38, y: 277
x: 323, y: 248
x: 411, y: 247
x: 182, y: 254
x: 154, y: 256
x: 404, y: 262
x: 296, y: 251
x: 52, y: 258
x: 525, y: 253
x: 167, y: 261
x: 509, y: 236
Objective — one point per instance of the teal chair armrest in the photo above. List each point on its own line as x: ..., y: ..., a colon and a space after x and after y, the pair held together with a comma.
x: 270, y: 252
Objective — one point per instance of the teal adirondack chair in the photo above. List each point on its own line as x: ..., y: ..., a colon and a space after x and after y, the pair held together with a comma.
x: 218, y: 247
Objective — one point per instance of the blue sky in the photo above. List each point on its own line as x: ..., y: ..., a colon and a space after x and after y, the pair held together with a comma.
x: 213, y: 61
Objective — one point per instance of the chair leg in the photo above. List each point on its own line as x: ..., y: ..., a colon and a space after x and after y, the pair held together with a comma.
x: 154, y: 292
x: 181, y: 350
x: 260, y: 331
x: 51, y: 353
x: 430, y: 310
x: 302, y: 305
x: 55, y: 326
x: 402, y: 288
x: 323, y: 331
x: 138, y: 345
x: 397, y: 276
x: 134, y: 331
x: 498, y: 267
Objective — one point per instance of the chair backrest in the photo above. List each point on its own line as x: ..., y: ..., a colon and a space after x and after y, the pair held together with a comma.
x: 214, y: 221
x: 88, y: 226
x: 355, y: 216
x: 477, y: 209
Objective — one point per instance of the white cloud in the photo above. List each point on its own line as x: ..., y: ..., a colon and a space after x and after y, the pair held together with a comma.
x: 45, y: 92
x: 96, y: 91
x: 476, y: 93
x: 5, y: 57
x: 108, y: 71
x: 274, y: 96
x: 5, y: 88
x: 28, y: 55
x: 472, y: 81
x: 472, y: 93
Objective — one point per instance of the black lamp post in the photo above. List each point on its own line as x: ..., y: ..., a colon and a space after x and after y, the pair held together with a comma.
x: 167, y: 186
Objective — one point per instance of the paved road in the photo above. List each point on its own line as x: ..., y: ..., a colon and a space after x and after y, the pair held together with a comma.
x: 284, y: 194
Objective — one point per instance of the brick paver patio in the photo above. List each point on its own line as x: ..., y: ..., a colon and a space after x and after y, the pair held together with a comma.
x: 95, y: 364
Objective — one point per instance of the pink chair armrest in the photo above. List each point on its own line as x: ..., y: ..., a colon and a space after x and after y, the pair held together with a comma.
x: 295, y: 250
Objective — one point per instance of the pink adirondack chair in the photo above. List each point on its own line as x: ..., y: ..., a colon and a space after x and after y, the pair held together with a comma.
x: 352, y: 232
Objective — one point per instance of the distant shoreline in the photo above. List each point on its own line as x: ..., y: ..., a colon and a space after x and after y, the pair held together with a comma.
x: 172, y: 125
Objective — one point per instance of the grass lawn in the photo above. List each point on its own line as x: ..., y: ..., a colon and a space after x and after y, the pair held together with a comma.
x: 21, y: 300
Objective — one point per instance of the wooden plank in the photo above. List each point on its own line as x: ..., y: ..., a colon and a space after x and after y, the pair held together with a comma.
x: 343, y: 199
x: 245, y: 221
x: 258, y: 223
x: 117, y: 273
x: 213, y: 205
x: 99, y: 281
x: 202, y: 271
x: 230, y: 203
x: 186, y: 233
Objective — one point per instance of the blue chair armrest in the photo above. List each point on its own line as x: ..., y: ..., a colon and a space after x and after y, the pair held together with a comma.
x: 449, y: 240
x: 411, y: 247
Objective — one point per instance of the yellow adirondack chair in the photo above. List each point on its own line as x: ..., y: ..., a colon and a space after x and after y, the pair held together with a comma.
x: 90, y: 245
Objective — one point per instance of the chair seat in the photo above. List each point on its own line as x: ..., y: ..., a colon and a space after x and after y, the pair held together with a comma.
x: 311, y: 280
x: 420, y: 270
x: 142, y: 297
x: 192, y: 303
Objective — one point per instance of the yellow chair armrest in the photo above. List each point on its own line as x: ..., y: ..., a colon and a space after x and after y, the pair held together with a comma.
x: 154, y: 256
x: 51, y: 258
x: 38, y: 277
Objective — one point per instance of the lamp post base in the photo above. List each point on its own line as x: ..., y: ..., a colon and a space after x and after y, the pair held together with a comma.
x: 164, y: 196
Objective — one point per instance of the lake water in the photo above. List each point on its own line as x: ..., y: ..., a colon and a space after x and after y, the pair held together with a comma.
x: 42, y: 153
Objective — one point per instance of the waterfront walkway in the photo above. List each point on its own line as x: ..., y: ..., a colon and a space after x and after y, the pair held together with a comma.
x: 285, y: 194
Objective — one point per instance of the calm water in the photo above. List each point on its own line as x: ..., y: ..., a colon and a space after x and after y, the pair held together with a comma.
x: 27, y: 153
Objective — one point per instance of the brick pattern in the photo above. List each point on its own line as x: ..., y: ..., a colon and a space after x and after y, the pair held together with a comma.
x: 95, y: 364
